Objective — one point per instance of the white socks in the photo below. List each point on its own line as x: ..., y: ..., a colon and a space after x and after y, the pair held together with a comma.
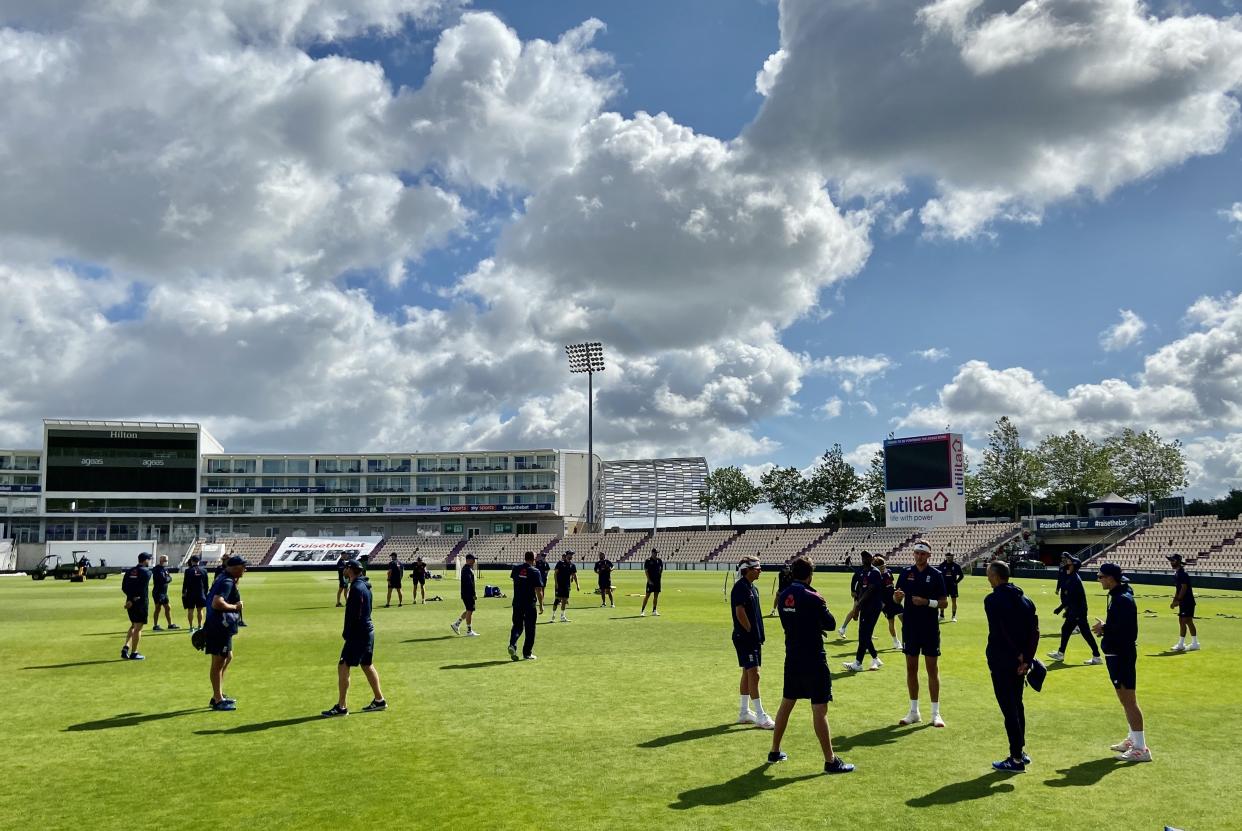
x: 914, y: 706
x: 1194, y: 639
x: 744, y: 706
x: 759, y: 713
x: 935, y: 708
x: 1181, y: 641
x: 1136, y: 736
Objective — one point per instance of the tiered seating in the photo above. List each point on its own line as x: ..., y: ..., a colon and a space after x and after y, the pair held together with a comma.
x: 505, y: 548
x: 776, y: 546
x: 687, y: 546
x: 967, y: 542
x: 1207, y: 544
x: 407, y: 548
x: 254, y: 550
x: 833, y: 549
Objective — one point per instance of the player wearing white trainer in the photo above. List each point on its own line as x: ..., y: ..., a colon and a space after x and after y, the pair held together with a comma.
x: 1184, y: 602
x: 748, y: 642
x: 1119, y: 640
x: 922, y: 591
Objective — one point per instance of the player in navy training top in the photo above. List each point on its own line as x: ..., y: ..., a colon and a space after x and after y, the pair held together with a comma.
x: 1013, y: 638
x: 541, y: 563
x: 748, y: 642
x: 892, y: 609
x: 564, y: 573
x: 1074, y: 604
x: 418, y: 579
x: 395, y: 574
x: 467, y: 599
x: 1184, y: 602
x: 953, y: 575
x: 358, y: 633
x: 855, y: 581
x: 161, y: 579
x: 868, y: 605
x: 527, y: 593
x: 805, y: 617
x: 134, y: 586
x: 194, y: 592
x: 224, y: 611
x: 1119, y: 640
x: 342, y: 582
x: 653, y: 566
x: 921, y: 590
x: 603, y: 570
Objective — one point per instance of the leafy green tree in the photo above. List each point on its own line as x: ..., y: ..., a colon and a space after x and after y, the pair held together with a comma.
x: 1146, y: 467
x: 1010, y: 474
x: 834, y: 485
x: 785, y: 489
x: 1076, y: 468
x: 873, y: 485
x: 728, y: 489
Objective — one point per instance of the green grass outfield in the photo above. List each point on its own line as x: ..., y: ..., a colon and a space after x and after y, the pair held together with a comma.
x: 622, y: 722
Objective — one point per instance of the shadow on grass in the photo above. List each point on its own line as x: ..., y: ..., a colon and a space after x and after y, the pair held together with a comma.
x: 258, y: 726
x: 108, y: 634
x: 989, y: 784
x: 433, y: 638
x: 889, y: 734
x: 1168, y: 653
x: 740, y: 788
x: 696, y: 733
x: 1054, y: 666
x: 80, y: 664
x: 478, y: 665
x: 626, y: 617
x: 128, y: 720
x: 1085, y: 774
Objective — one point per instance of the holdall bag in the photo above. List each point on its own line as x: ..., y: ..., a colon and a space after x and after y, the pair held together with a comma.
x: 492, y: 591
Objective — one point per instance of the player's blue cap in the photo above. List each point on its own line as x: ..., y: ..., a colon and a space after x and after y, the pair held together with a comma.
x: 143, y: 557
x: 234, y: 561
x: 355, y: 564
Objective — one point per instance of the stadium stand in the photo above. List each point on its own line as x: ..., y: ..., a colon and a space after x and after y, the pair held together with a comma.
x: 255, y: 551
x: 833, y: 549
x: 438, y: 550
x: 1206, y: 543
x: 689, y: 546
x: 506, y: 548
x: 967, y: 542
x: 777, y: 546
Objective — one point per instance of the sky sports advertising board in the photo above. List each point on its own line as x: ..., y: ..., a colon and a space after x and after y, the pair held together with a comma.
x: 925, y: 481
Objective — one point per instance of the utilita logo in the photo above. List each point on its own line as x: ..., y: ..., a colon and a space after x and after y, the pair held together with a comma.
x: 919, y: 504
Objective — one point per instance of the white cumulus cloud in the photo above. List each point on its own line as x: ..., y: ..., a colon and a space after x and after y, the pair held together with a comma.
x: 1124, y: 333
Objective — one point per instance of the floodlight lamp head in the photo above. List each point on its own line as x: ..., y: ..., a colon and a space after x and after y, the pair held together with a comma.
x: 585, y: 357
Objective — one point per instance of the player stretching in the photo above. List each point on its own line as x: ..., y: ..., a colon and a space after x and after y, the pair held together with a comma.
x: 855, y: 580
x: 566, y: 572
x: 1184, y: 602
x: 921, y: 590
x: 654, y: 567
x: 952, y: 576
x: 748, y: 642
x: 1119, y: 639
x: 603, y: 568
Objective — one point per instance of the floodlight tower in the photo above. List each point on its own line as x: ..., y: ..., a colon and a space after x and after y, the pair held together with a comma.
x: 588, y: 358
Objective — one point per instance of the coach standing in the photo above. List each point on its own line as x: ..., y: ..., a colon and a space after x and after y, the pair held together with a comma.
x: 921, y: 590
x: 1013, y: 637
x: 527, y: 594
x: 224, y: 611
x: 805, y: 617
x: 1074, y: 603
x: 1119, y: 639
x: 134, y: 585
x: 359, y: 648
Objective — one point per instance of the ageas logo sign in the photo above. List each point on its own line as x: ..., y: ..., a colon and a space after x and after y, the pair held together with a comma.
x: 920, y: 504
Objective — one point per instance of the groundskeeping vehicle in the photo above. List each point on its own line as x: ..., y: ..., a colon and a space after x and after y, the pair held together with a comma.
x: 75, y: 570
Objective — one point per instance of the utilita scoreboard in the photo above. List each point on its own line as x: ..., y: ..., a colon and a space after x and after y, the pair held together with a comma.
x: 925, y: 480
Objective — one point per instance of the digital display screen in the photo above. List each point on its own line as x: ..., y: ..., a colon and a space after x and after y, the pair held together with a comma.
x: 121, y: 461
x: 918, y: 465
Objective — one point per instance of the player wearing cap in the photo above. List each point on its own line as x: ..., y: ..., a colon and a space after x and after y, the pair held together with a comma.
x: 194, y: 592
x: 134, y: 586
x: 359, y: 648
x: 224, y: 611
x: 467, y: 600
x: 748, y: 642
x: 805, y: 617
x: 921, y: 591
x: 868, y: 605
x: 1184, y: 602
x: 892, y: 609
x: 541, y: 563
x: 418, y: 579
x: 566, y: 572
x: 1013, y: 638
x: 395, y: 574
x: 1074, y: 604
x: 603, y: 571
x: 160, y: 581
x: 654, y: 568
x: 527, y: 593
x: 953, y: 575
x: 1119, y: 638
x: 342, y: 582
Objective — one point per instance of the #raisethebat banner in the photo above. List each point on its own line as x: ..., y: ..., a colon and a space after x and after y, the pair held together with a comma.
x: 298, y: 551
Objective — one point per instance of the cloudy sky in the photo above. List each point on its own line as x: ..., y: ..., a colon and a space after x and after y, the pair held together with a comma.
x: 351, y: 225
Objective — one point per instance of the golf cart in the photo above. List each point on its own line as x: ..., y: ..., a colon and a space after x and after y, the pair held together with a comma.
x: 74, y: 568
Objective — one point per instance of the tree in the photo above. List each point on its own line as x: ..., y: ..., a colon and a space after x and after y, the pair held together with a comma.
x: 727, y: 489
x: 1076, y: 468
x: 1010, y: 474
x: 873, y: 485
x: 786, y: 491
x: 1146, y: 467
x: 834, y: 485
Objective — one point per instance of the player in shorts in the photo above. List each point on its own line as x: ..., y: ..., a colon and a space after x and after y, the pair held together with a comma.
x: 805, y: 617
x: 418, y: 576
x: 468, y: 598
x: 359, y: 648
x: 395, y: 574
x: 921, y: 591
x: 855, y: 582
x: 194, y: 590
x: 342, y: 584
x: 953, y: 575
x: 566, y: 572
x: 1119, y: 640
x: 134, y: 586
x: 892, y: 609
x: 654, y: 568
x: 1184, y: 602
x: 161, y: 579
x: 748, y: 642
x: 224, y: 611
x: 603, y: 569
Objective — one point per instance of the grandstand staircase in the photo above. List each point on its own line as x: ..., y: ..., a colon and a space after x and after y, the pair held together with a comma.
x: 643, y: 540
x: 451, y: 559
x: 720, y: 549
x: 802, y: 552
x: 547, y: 549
